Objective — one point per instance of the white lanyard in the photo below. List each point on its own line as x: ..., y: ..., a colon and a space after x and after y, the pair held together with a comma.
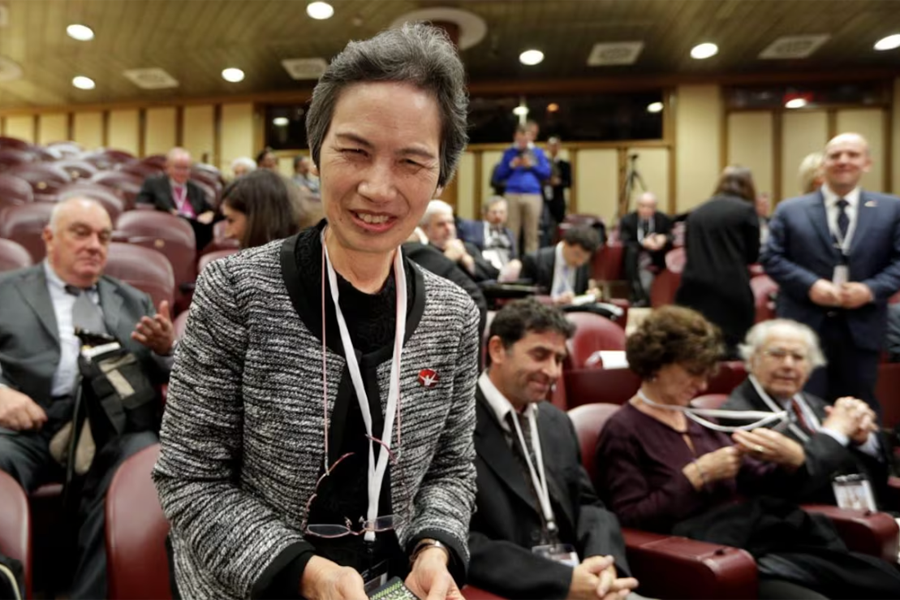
x: 376, y: 472
x: 538, y: 477
x: 764, y: 417
x: 810, y: 417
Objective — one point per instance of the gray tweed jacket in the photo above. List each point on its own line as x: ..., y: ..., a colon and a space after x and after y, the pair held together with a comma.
x: 242, y: 436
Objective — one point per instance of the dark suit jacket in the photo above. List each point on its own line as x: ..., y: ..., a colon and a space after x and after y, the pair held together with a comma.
x: 825, y: 456
x: 506, y: 524
x: 29, y: 334
x: 538, y: 267
x: 473, y: 232
x: 565, y: 176
x: 662, y: 223
x: 800, y: 251
x: 158, y: 191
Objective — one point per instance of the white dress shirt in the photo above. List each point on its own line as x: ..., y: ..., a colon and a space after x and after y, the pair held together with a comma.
x: 563, y: 275
x: 832, y: 211
x: 499, y: 404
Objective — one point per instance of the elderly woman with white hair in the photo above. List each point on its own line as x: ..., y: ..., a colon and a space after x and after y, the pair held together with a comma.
x: 842, y: 439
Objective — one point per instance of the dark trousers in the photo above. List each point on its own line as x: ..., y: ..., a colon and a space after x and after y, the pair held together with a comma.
x: 26, y: 456
x: 851, y: 371
x: 631, y: 258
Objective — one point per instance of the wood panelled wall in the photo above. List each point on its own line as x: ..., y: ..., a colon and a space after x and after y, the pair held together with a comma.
x: 700, y: 138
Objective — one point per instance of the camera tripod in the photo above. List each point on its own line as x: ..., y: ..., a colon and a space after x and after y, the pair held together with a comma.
x: 632, y: 179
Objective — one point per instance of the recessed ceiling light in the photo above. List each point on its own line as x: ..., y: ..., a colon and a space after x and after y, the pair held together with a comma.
x: 531, y: 57
x: 655, y: 107
x: 704, y: 50
x: 888, y: 43
x: 319, y: 10
x: 795, y: 103
x: 233, y: 75
x: 280, y: 121
x: 552, y: 107
x: 83, y: 83
x: 81, y: 33
x: 520, y: 111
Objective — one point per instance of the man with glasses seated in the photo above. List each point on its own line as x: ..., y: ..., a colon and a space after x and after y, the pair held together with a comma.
x: 837, y: 440
x: 539, y: 530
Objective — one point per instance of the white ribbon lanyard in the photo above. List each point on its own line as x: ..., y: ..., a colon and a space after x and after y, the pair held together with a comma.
x: 763, y: 417
x: 376, y: 472
x: 538, y: 476
x: 810, y: 417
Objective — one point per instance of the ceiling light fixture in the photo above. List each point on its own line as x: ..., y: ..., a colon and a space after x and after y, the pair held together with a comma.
x: 531, y: 57
x: 83, y: 83
x: 888, y: 43
x: 655, y: 107
x: 552, y: 107
x: 280, y: 121
x: 703, y: 51
x: 319, y: 10
x: 82, y: 33
x: 233, y: 75
x: 795, y: 103
x: 521, y: 111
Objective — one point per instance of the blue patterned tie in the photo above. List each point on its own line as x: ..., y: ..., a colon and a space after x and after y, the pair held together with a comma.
x: 843, y: 221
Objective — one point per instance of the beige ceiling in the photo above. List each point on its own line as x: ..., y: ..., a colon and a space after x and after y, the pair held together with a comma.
x: 195, y: 39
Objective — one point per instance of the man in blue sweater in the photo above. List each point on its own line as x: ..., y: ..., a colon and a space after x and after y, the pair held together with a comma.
x: 523, y: 167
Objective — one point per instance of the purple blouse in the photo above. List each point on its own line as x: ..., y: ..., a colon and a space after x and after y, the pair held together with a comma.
x: 639, y: 471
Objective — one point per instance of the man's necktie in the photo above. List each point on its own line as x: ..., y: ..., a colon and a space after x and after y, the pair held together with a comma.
x: 645, y: 228
x: 85, y: 314
x: 526, y: 434
x: 843, y: 221
x: 798, y: 412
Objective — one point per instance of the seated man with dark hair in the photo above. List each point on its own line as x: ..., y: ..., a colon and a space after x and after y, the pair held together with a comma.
x: 564, y: 270
x: 539, y: 530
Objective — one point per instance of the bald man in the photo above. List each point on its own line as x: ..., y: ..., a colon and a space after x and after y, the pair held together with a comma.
x: 835, y: 254
x: 646, y: 235
x: 41, y: 306
x: 175, y: 193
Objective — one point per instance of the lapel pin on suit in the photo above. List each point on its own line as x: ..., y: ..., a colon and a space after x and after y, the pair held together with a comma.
x: 871, y: 203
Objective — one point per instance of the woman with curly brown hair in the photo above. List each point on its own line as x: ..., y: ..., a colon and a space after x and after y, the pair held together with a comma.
x: 662, y: 471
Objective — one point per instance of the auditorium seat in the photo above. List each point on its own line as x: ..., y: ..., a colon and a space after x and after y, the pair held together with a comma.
x: 139, y: 168
x: 606, y: 265
x: 713, y: 401
x: 212, y: 256
x: 128, y: 185
x: 887, y: 391
x: 171, y: 235
x: 764, y: 290
x: 13, y: 256
x: 209, y: 192
x: 11, y: 142
x: 146, y: 269
x: 592, y: 333
x: 15, y: 526
x: 67, y: 149
x: 107, y: 159
x: 664, y: 287
x: 45, y: 179
x: 731, y: 373
x: 24, y: 224
x: 110, y: 199
x: 136, y: 530
x: 157, y: 161
x: 77, y: 169
x: 588, y: 386
x: 14, y: 191
x: 13, y: 157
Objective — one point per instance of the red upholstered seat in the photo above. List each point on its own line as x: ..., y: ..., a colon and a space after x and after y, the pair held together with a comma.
x: 607, y: 262
x: 731, y: 374
x: 45, y: 178
x: 592, y: 333
x: 587, y: 386
x: 11, y: 142
x: 588, y: 420
x: 665, y: 284
x: 13, y: 256
x: 24, y: 224
x: 66, y: 149
x: 77, y: 169
x: 764, y: 287
x: 709, y: 401
x: 140, y: 168
x: 127, y: 184
x: 171, y: 235
x: 136, y: 530
x: 13, y: 157
x: 110, y: 199
x: 14, y: 191
x: 108, y: 159
x: 144, y: 268
x: 15, y: 525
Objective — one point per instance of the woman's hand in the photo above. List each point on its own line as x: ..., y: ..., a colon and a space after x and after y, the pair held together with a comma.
x: 723, y: 463
x: 770, y: 446
x: 326, y: 580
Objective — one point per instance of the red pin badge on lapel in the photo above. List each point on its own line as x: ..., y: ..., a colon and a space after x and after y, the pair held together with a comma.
x: 428, y: 378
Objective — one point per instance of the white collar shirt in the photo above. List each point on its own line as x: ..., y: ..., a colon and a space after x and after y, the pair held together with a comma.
x: 500, y: 405
x: 563, y: 274
x: 832, y: 210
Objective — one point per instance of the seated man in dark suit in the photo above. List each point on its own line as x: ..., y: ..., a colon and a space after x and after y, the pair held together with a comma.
x: 539, y: 530
x: 837, y: 440
x: 439, y: 227
x: 646, y: 235
x: 564, y: 269
x: 491, y: 236
x: 175, y: 193
x: 41, y: 307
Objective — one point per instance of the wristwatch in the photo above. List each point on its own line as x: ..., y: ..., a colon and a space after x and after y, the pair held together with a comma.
x: 426, y: 544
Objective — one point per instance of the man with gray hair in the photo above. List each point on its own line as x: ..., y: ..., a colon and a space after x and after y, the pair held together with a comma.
x: 42, y: 307
x: 439, y: 226
x: 842, y: 439
x: 491, y: 236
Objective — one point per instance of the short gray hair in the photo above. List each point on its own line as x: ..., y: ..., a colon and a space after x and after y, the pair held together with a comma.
x: 434, y: 207
x: 810, y: 169
x: 245, y: 161
x: 417, y: 54
x: 760, y: 332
